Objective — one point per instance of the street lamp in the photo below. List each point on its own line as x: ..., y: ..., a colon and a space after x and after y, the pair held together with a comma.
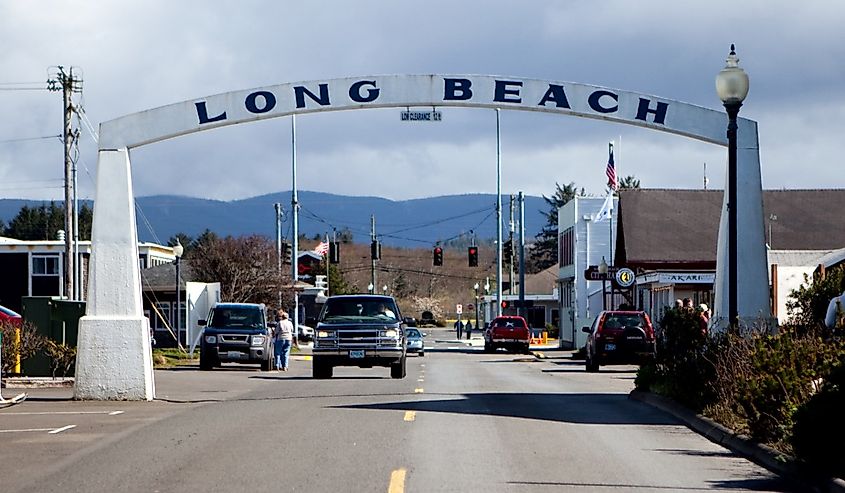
x: 370, y: 288
x: 603, y: 273
x: 384, y: 289
x: 178, y: 250
x: 476, y: 305
x: 732, y: 87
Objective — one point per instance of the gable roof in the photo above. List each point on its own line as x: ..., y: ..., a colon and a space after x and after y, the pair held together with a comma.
x: 679, y: 228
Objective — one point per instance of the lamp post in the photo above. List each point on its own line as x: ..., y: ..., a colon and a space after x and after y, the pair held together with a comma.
x: 370, y: 288
x: 476, y: 305
x: 603, y: 272
x: 178, y: 250
x: 384, y: 290
x: 732, y: 87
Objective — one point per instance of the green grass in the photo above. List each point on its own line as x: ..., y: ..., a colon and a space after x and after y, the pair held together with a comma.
x: 169, y: 357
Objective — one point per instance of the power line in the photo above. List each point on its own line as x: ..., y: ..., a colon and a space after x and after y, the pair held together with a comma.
x: 26, y: 139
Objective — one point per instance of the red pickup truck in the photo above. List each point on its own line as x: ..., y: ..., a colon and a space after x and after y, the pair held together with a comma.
x: 510, y: 332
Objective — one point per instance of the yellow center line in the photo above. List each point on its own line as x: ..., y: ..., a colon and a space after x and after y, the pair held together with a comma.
x: 418, y: 391
x: 410, y: 415
x: 397, y: 481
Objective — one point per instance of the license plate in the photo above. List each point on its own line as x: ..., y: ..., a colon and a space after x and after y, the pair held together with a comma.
x: 356, y: 354
x: 609, y: 347
x: 235, y: 355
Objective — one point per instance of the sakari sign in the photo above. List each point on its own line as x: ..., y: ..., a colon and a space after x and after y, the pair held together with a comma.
x: 114, y: 358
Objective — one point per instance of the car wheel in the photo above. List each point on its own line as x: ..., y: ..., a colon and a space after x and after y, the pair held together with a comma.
x: 487, y: 347
x: 592, y: 366
x: 397, y: 370
x: 267, y: 365
x: 422, y: 353
x: 321, y: 370
x: 206, y: 363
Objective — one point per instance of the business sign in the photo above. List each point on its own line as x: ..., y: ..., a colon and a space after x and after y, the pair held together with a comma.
x: 678, y: 278
x: 420, y: 116
x: 592, y: 273
x: 625, y: 277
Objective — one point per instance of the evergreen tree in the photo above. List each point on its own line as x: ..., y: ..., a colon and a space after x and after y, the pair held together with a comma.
x: 44, y: 222
x: 629, y: 182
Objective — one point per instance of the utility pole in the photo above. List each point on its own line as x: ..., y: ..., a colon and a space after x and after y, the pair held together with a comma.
x: 69, y: 84
x: 279, y: 214
x: 511, y: 248
x: 372, y: 252
x: 522, y: 310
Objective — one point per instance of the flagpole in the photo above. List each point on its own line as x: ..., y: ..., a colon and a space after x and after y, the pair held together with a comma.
x: 610, y: 240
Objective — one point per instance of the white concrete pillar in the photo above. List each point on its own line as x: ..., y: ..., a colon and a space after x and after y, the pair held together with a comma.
x: 752, y: 265
x: 114, y: 358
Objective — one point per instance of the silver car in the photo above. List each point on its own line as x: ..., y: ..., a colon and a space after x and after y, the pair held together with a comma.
x: 414, y: 342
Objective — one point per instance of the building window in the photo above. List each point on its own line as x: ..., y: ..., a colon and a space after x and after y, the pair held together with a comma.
x: 45, y: 265
x: 566, y: 248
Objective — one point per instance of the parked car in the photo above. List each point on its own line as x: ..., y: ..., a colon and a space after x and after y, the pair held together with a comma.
x: 7, y: 315
x: 305, y: 333
x: 509, y: 332
x: 414, y: 341
x: 236, y: 333
x: 619, y: 337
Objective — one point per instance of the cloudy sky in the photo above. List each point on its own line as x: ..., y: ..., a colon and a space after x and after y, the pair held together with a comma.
x: 135, y: 55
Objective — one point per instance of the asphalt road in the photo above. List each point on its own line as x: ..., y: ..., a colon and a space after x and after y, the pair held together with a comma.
x: 461, y: 421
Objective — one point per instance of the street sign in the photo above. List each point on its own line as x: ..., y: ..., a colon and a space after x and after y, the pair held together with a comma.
x: 470, y: 307
x: 459, y: 309
x: 592, y: 273
x: 420, y: 116
x: 625, y: 277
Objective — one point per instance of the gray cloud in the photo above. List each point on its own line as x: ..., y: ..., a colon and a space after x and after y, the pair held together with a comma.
x: 141, y: 54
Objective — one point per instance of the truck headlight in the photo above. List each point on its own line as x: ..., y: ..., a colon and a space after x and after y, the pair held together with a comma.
x: 211, y: 339
x: 390, y: 333
x: 257, y: 340
x: 325, y: 333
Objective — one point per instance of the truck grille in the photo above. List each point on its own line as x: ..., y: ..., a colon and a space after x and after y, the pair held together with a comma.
x: 357, y: 338
x: 233, y: 338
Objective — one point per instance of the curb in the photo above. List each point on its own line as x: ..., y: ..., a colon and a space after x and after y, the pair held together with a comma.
x: 37, y: 382
x: 760, y: 454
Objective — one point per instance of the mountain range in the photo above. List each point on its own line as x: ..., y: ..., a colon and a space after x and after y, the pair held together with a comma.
x: 404, y: 223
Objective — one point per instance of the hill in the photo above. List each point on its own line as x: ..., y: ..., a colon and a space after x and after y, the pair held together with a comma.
x: 403, y: 223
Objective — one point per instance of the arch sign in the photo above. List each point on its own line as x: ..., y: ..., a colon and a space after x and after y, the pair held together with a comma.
x: 114, y: 356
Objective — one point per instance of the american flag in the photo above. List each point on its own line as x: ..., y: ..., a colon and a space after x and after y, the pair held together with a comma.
x: 612, y: 179
x: 322, y: 248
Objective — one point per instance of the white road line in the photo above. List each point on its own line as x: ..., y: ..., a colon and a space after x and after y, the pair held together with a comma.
x: 26, y: 430
x: 63, y: 428
x: 47, y: 413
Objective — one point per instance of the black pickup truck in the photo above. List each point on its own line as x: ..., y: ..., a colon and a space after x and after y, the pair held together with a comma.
x: 359, y: 330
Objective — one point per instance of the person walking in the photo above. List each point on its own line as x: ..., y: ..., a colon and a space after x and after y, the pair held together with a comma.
x: 459, y: 328
x: 469, y: 329
x: 282, y: 340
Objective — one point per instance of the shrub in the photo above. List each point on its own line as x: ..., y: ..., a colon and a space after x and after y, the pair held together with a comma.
x: 29, y: 343
x: 765, y: 378
x: 62, y: 356
x: 684, y: 359
x: 819, y: 431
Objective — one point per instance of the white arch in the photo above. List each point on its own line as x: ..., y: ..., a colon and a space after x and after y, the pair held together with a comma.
x: 113, y: 358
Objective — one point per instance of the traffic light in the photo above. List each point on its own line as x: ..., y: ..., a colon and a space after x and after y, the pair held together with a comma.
x: 507, y: 251
x: 472, y: 254
x: 334, y: 252
x: 375, y: 250
x: 287, y: 252
x: 505, y: 304
x: 438, y: 256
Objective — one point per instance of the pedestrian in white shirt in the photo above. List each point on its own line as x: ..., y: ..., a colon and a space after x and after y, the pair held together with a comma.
x: 282, y: 339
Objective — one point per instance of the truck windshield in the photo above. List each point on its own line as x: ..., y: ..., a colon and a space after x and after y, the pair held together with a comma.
x: 342, y: 310
x: 233, y: 316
